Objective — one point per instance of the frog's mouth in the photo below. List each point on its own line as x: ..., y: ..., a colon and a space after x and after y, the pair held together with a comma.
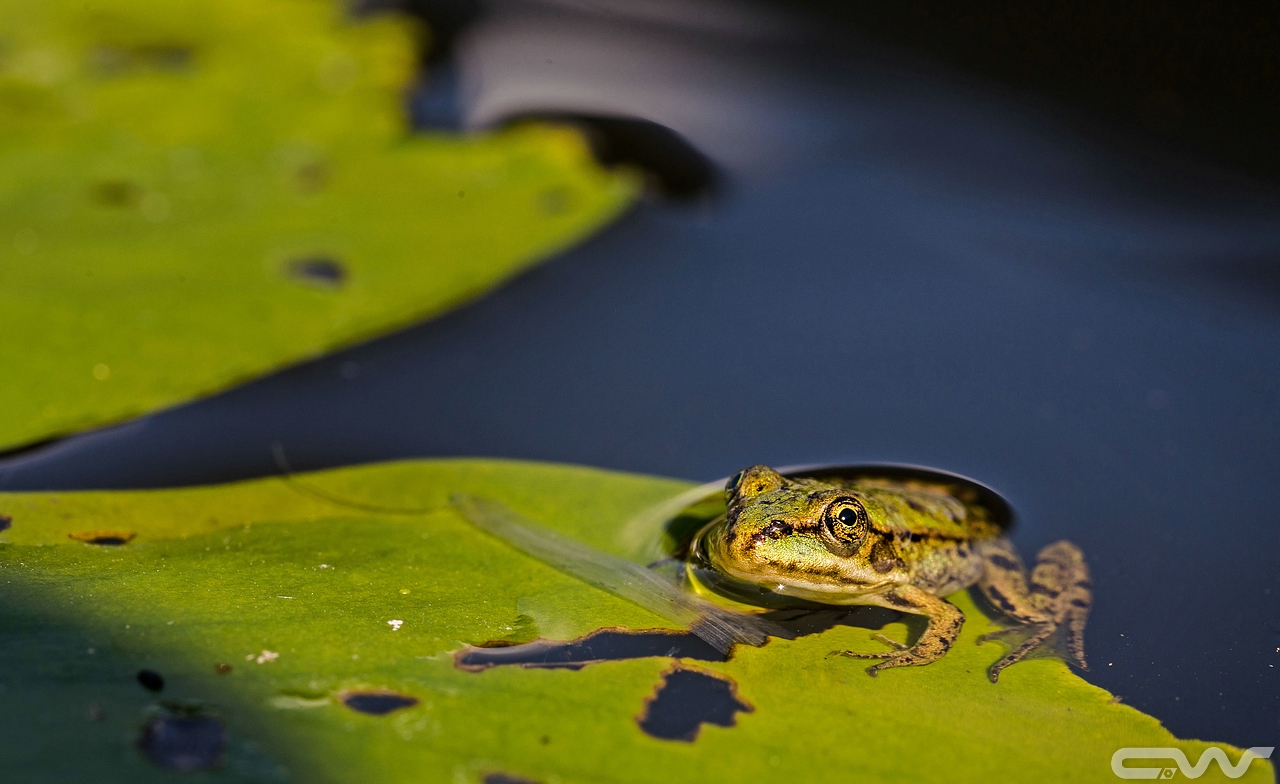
x: 710, y: 566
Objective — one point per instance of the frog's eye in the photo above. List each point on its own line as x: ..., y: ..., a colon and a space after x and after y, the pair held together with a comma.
x: 844, y: 526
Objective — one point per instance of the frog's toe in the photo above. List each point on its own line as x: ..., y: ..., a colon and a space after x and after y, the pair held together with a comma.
x: 1041, y: 632
x: 997, y: 634
x: 898, y: 648
x: 890, y: 642
x: 857, y: 655
x: 898, y: 659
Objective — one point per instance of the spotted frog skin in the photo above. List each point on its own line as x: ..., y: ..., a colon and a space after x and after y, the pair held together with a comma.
x: 897, y: 544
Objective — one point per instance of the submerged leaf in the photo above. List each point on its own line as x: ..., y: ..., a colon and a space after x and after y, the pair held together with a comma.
x: 649, y: 589
x: 268, y: 610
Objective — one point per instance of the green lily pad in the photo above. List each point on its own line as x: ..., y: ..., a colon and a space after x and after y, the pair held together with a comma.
x: 193, y: 194
x: 277, y: 613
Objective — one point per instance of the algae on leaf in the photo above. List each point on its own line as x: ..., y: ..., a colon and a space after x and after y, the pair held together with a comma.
x: 322, y: 638
x: 196, y: 193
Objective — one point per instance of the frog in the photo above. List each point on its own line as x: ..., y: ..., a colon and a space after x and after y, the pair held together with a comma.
x: 899, y: 543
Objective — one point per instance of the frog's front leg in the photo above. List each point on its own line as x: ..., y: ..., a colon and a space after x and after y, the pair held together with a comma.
x: 1056, y: 596
x: 945, y: 621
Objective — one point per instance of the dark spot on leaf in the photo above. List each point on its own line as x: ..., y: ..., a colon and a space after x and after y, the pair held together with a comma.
x: 5, y: 522
x: 107, y: 538
x: 685, y: 700
x: 377, y: 703
x: 318, y: 270
x: 598, y: 646
x: 311, y: 176
x: 116, y: 193
x: 151, y: 680
x: 498, y: 777
x: 222, y: 668
x: 185, y: 743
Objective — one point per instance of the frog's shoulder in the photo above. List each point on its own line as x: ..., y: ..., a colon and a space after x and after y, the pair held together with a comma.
x: 920, y: 501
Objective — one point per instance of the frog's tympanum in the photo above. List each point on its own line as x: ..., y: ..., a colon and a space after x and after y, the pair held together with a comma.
x: 898, y: 544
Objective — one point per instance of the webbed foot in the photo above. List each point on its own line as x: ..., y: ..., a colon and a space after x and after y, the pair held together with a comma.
x: 1056, y: 596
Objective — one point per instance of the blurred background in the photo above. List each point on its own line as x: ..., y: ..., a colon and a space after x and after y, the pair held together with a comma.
x: 1037, y: 244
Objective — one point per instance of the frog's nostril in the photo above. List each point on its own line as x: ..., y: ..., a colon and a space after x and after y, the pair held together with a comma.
x: 776, y: 529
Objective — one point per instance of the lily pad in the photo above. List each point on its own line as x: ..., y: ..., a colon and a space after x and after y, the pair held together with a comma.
x: 193, y: 194
x: 321, y: 640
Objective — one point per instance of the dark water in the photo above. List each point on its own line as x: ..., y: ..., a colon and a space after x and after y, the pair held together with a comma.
x: 897, y: 266
x: 377, y: 703
x: 685, y: 700
x: 184, y: 743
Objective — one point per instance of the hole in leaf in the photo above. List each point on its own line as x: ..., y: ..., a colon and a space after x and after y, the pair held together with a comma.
x: 108, y: 538
x: 498, y: 777
x: 598, y: 646
x: 151, y: 680
x: 377, y: 703
x: 185, y: 743
x: 318, y: 270
x: 685, y: 700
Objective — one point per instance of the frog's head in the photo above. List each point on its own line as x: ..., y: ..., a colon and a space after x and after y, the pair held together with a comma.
x: 802, y: 537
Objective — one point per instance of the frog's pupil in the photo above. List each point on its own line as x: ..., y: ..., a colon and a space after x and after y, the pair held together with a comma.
x: 848, y: 516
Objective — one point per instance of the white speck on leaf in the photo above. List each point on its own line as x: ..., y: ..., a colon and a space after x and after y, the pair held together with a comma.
x: 266, y: 656
x: 395, y: 624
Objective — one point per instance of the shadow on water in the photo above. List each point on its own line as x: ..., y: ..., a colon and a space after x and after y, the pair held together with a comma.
x: 897, y: 266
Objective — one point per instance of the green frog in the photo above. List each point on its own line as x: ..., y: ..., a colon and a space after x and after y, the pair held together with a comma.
x: 900, y: 542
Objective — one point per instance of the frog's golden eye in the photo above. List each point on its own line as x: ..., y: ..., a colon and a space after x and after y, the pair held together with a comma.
x: 844, y: 526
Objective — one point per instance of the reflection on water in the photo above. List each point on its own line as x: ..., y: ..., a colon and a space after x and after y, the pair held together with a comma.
x: 898, y: 267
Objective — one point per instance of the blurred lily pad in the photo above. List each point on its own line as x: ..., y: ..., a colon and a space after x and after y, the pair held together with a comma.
x: 298, y: 639
x: 193, y: 194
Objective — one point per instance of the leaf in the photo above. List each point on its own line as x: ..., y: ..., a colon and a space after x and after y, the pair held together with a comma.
x: 193, y: 194
x: 229, y: 574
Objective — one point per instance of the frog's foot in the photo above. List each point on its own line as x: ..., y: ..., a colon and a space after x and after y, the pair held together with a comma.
x: 1055, y: 596
x: 944, y: 626
x: 902, y: 658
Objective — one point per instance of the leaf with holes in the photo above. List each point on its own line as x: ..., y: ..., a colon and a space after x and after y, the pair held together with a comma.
x: 269, y: 634
x: 196, y: 193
